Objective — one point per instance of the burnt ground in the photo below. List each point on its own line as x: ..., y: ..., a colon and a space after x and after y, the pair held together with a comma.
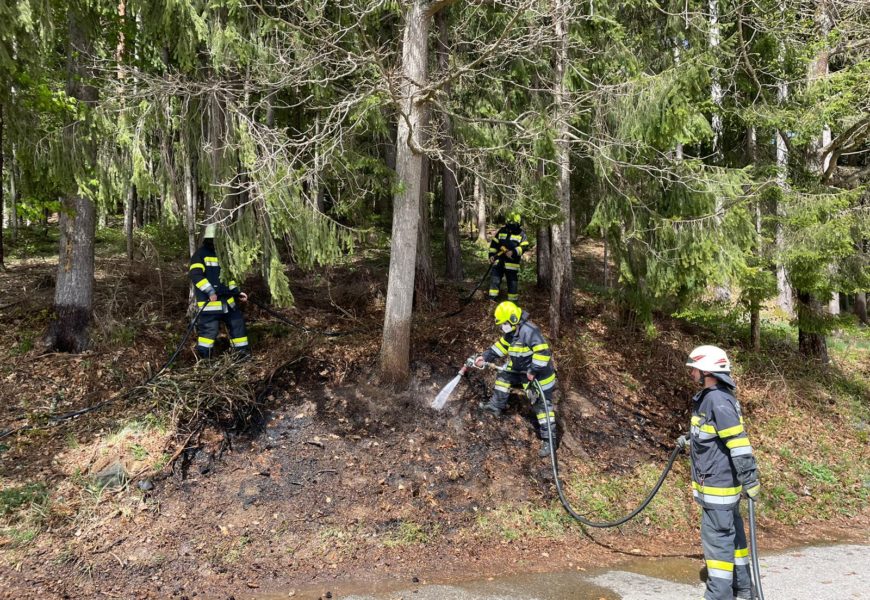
x: 346, y: 478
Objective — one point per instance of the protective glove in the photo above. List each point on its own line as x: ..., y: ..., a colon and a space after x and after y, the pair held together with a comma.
x: 683, y: 442
x: 212, y: 297
x: 752, y: 490
x: 478, y: 361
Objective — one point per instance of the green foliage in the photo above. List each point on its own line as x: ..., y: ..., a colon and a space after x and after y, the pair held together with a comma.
x: 14, y: 499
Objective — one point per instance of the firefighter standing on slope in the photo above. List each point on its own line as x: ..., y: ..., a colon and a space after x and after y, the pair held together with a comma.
x: 723, y: 466
x: 217, y: 300
x: 529, y: 358
x: 505, y: 252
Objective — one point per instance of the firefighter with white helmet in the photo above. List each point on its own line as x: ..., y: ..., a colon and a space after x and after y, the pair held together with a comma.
x: 723, y: 467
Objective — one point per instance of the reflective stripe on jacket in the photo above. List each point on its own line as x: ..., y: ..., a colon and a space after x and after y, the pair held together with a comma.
x: 527, y: 351
x: 509, y: 237
x: 718, y: 438
x: 205, y: 274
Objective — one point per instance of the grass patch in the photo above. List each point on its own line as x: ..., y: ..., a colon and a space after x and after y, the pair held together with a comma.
x: 24, y: 510
x: 409, y: 533
x: 13, y: 499
x: 514, y: 522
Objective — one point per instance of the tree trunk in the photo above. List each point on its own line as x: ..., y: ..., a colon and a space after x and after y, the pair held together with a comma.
x: 2, y: 199
x: 861, y: 307
x: 561, y: 285
x: 542, y: 252
x: 396, y: 341
x: 424, y: 277
x: 449, y: 185
x: 73, y: 295
x: 13, y: 198
x: 715, y: 86
x: 190, y: 204
x: 480, y: 203
x: 755, y: 303
x: 74, y: 289
x: 811, y: 342
x: 834, y: 304
x: 785, y: 293
x: 605, y: 266
x: 129, y: 211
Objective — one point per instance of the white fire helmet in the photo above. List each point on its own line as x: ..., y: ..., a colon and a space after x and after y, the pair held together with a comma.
x: 709, y: 359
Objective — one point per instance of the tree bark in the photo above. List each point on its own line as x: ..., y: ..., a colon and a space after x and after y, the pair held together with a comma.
x: 480, y: 204
x: 13, y: 198
x: 129, y: 211
x: 2, y: 199
x: 396, y: 340
x: 74, y: 290
x: 861, y: 307
x: 542, y: 252
x: 449, y: 185
x: 785, y: 293
x: 73, y: 295
x: 811, y: 343
x: 715, y: 85
x: 424, y: 276
x: 190, y: 204
x: 561, y: 285
x: 755, y: 304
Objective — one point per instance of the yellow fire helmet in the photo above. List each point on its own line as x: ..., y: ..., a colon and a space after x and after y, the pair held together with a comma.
x: 507, y: 312
x: 513, y: 217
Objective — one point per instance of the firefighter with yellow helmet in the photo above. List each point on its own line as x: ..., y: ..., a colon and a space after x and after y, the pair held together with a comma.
x: 528, y: 358
x: 505, y: 252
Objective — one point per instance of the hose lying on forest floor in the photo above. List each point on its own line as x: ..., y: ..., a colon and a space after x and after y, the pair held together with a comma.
x: 310, y: 330
x: 52, y: 421
x: 565, y: 503
x: 464, y: 301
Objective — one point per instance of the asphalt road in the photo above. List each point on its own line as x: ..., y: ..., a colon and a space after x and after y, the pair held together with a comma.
x: 840, y: 572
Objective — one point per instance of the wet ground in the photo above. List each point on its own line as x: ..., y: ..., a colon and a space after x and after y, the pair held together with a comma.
x: 837, y: 572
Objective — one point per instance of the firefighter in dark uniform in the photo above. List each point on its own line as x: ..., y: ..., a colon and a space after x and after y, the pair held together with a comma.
x: 529, y: 358
x: 217, y: 300
x: 723, y: 467
x: 505, y: 252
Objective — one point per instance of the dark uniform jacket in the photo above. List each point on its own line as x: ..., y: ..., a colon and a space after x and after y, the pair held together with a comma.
x: 527, y: 351
x: 722, y: 459
x: 205, y: 273
x: 510, y: 237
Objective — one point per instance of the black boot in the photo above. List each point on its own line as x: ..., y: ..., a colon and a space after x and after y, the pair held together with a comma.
x: 490, y: 408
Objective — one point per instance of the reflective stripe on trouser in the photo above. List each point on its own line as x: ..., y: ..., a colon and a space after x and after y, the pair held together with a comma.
x: 500, y: 393
x: 724, y: 541
x: 541, y: 415
x: 498, y: 269
x: 208, y: 328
